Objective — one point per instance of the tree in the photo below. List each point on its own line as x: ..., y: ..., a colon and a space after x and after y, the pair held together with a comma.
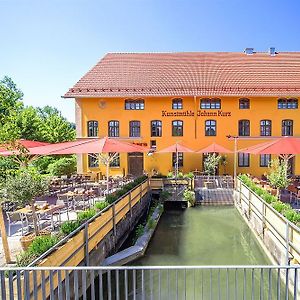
x: 10, y: 99
x: 211, y: 163
x: 278, y: 175
x: 54, y: 127
x: 24, y: 187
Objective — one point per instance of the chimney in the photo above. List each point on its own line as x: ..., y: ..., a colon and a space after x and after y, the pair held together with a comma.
x: 249, y: 51
x: 272, y: 51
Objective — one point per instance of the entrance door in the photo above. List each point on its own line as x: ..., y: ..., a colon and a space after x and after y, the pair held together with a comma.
x: 135, y: 163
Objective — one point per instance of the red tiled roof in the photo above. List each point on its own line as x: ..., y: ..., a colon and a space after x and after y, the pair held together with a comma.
x: 191, y: 74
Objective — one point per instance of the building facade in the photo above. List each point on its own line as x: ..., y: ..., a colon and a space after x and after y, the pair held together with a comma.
x: 196, y: 99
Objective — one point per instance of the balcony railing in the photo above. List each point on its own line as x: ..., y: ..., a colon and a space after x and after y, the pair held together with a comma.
x: 175, y: 282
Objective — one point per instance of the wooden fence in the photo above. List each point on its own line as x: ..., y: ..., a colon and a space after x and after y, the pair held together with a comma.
x: 75, y: 248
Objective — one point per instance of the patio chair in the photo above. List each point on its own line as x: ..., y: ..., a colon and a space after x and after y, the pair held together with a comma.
x: 81, y: 201
x: 8, y: 206
x: 15, y: 219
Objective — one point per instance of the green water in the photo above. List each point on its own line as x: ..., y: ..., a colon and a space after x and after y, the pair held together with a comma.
x: 203, y: 236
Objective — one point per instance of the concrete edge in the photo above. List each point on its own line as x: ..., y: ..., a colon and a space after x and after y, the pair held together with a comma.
x: 139, y: 248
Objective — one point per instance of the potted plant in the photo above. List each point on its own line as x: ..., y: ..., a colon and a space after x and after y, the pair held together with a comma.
x: 23, y: 188
x: 278, y: 175
x: 189, y: 196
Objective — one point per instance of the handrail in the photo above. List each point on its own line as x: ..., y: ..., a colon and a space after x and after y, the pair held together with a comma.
x: 81, y: 227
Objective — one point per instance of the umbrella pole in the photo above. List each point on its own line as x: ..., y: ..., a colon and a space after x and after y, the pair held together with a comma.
x: 107, y: 177
x: 235, y: 162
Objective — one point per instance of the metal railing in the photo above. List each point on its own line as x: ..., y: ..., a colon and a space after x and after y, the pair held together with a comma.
x: 163, y: 282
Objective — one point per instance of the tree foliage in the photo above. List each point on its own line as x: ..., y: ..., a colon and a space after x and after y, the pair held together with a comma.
x: 211, y: 163
x: 278, y: 175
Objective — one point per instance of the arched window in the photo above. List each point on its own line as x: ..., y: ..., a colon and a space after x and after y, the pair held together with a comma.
x: 244, y: 127
x: 92, y: 128
x: 177, y: 103
x: 244, y: 103
x: 113, y: 128
x: 156, y: 128
x: 210, y: 128
x: 265, y: 127
x: 214, y: 103
x: 134, y: 128
x: 284, y: 103
x: 177, y: 128
x: 131, y: 104
x: 287, y: 128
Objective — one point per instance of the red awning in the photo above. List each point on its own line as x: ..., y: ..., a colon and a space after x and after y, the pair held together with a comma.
x: 214, y: 148
x: 176, y: 148
x: 284, y: 145
x: 88, y: 145
x: 25, y: 143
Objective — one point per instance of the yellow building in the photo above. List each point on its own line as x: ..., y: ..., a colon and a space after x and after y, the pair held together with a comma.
x: 158, y: 99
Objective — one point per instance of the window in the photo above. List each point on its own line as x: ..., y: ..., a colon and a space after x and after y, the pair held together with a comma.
x: 180, y: 159
x: 265, y: 127
x: 134, y: 104
x: 287, y: 128
x: 153, y: 144
x: 177, y: 128
x: 116, y: 161
x: 244, y: 159
x: 244, y: 103
x: 210, y: 128
x: 210, y: 103
x: 92, y: 127
x: 93, y: 160
x: 264, y: 160
x: 134, y: 128
x: 177, y: 103
x: 113, y: 129
x: 284, y: 103
x: 244, y: 128
x: 156, y: 128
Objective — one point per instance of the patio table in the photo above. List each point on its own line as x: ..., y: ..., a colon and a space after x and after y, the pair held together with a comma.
x: 40, y: 211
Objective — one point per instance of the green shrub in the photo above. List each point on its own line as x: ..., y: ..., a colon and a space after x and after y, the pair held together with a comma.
x: 110, y: 198
x: 42, y: 243
x: 69, y: 226
x: 86, y: 215
x: 189, y: 175
x: 63, y: 166
x: 25, y: 258
x: 139, y: 231
x: 101, y: 205
x: 280, y: 206
x: 170, y: 175
x: 180, y: 175
x: 151, y: 223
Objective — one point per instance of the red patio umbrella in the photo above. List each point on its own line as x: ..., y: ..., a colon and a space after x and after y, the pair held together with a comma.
x: 214, y: 148
x: 177, y: 147
x: 284, y: 146
x: 90, y: 145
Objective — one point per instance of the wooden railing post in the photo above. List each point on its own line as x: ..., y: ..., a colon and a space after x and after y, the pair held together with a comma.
x: 114, y: 219
x: 86, y: 239
x: 130, y: 206
x: 287, y: 240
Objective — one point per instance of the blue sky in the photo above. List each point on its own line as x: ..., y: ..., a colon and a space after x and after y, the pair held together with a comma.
x: 47, y: 45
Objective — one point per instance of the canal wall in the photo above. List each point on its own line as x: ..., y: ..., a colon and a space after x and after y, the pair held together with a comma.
x: 279, y: 238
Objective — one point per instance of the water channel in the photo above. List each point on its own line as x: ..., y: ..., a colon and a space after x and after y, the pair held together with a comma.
x: 199, y: 236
